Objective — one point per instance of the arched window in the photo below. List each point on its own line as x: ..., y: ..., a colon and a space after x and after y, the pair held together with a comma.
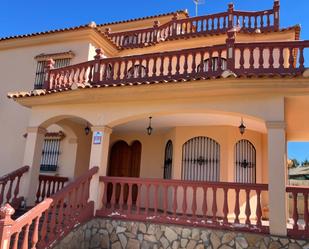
x: 214, y: 65
x: 168, y: 160
x: 201, y: 159
x: 245, y: 162
x: 136, y: 71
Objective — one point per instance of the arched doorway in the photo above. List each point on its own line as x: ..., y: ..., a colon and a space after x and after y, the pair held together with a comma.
x: 125, y: 161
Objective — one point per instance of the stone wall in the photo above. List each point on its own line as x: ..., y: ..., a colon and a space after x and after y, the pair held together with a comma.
x: 105, y: 233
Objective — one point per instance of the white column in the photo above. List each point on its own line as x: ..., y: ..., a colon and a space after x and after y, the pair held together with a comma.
x: 32, y: 158
x: 277, y: 177
x: 99, y: 158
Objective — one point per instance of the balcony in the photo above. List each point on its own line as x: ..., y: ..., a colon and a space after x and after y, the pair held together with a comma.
x: 219, y: 23
x: 231, y: 59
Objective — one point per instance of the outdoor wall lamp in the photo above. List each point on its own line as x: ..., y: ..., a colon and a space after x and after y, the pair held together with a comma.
x: 87, y: 129
x: 242, y: 127
x: 149, y: 128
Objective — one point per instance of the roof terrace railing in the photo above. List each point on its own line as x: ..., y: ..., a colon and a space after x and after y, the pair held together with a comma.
x: 266, y: 20
x: 238, y: 59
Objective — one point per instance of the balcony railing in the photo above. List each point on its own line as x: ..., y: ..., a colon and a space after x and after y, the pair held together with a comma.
x: 207, y: 204
x: 240, y: 59
x: 266, y: 20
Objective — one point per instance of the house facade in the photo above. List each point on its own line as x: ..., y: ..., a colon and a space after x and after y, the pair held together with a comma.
x: 165, y: 119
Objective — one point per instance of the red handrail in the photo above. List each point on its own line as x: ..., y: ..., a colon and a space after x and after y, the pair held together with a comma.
x: 206, y: 204
x: 56, y: 216
x: 299, y: 196
x: 12, y: 180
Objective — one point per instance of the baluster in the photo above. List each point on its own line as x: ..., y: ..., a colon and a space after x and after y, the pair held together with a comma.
x: 212, y: 24
x: 214, y: 204
x: 210, y: 63
x: 112, y: 70
x: 52, y: 223
x: 43, y: 229
x: 301, y: 59
x: 90, y: 75
x: 147, y: 75
x: 261, y: 58
x: 15, y: 240
x: 271, y: 57
x: 205, y: 202
x: 248, y: 209
x: 184, y: 203
x: 114, y: 193
x: 255, y: 22
x: 262, y: 21
x: 9, y: 193
x: 3, y: 184
x: 48, y: 188
x: 219, y: 69
x: 156, y: 199
x: 154, y: 69
x: 225, y: 205
x: 291, y: 59
x: 237, y: 210
x: 38, y: 193
x: 118, y: 71
x: 177, y: 64
x: 147, y: 199
x: 125, y: 71
x: 16, y: 191
x: 192, y: 25
x: 295, y: 211
x: 249, y: 22
x: 185, y: 66
x: 268, y: 21
x: 139, y: 198
x: 121, y: 197
x: 129, y: 198
x: 258, y: 208
x: 60, y: 216
x: 139, y: 72
x: 306, y: 214
x: 165, y: 199
x: 162, y: 66
x: 170, y: 59
x: 26, y: 237
x: 53, y: 189
x: 175, y: 206
x: 201, y: 69
x: 242, y: 59
x: 35, y: 235
x: 281, y: 59
x: 194, y: 204
x: 193, y: 71
x: 251, y: 60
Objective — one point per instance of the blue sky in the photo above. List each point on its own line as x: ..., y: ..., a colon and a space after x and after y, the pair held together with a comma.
x: 21, y: 17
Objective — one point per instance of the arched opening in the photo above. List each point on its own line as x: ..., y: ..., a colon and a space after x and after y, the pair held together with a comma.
x: 130, y: 40
x: 136, y: 71
x: 168, y: 160
x: 214, y: 65
x: 201, y: 159
x: 245, y: 162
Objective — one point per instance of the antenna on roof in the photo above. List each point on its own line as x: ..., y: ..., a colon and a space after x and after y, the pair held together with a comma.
x: 197, y: 3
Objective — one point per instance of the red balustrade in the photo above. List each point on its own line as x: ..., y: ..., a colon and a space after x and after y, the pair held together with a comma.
x: 266, y: 20
x: 10, y: 184
x: 207, y: 204
x: 51, y: 219
x: 299, y: 196
x: 49, y: 185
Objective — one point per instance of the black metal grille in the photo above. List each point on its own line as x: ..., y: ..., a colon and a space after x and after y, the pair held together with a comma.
x: 50, y: 154
x: 168, y: 160
x: 40, y: 70
x: 245, y: 162
x: 201, y: 159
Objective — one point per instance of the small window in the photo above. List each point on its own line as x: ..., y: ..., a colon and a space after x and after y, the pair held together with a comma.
x: 137, y: 71
x: 245, y: 162
x: 40, y: 70
x: 214, y: 66
x: 51, y: 151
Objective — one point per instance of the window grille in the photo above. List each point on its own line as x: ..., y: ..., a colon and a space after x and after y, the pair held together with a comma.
x: 201, y: 159
x: 168, y: 160
x: 51, y: 151
x: 40, y: 70
x: 245, y: 162
x: 214, y: 65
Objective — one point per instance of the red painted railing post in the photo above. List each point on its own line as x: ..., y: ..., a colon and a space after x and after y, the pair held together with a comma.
x: 96, y: 70
x: 230, y: 48
x: 276, y: 15
x: 155, y: 31
x: 174, y: 25
x: 231, y: 15
x: 49, y: 66
x: 5, y: 224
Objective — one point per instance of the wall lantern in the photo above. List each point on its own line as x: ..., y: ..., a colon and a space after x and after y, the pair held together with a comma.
x: 242, y: 127
x: 87, y: 129
x: 149, y: 128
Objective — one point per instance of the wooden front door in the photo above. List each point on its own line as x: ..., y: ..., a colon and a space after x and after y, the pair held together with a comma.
x: 125, y: 161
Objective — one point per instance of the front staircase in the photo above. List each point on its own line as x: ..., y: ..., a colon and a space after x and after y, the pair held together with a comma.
x: 60, y: 208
